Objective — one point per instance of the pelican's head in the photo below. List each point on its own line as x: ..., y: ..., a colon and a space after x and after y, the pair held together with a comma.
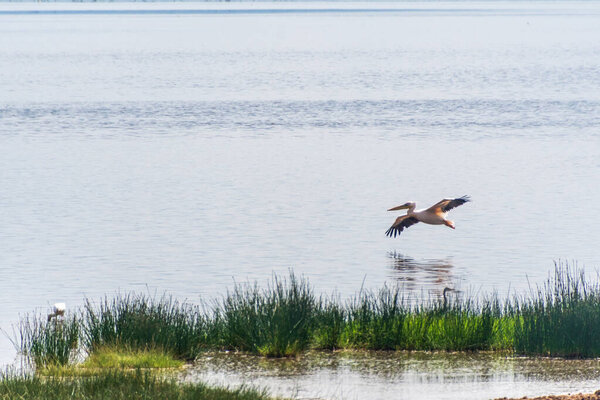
x: 410, y: 204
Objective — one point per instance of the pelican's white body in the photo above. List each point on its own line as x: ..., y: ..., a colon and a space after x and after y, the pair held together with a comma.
x: 428, y: 217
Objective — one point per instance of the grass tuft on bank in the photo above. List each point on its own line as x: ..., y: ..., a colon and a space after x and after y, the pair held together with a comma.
x: 116, y: 385
x: 120, y: 358
x: 109, y: 358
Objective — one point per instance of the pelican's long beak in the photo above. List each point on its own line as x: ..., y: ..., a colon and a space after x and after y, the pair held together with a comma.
x: 402, y: 207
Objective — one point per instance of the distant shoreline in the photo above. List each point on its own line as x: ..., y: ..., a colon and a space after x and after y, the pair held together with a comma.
x: 239, y: 11
x: 443, y: 7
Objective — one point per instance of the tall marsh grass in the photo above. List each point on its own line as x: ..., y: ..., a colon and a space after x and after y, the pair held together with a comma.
x: 48, y: 343
x: 329, y: 324
x: 277, y: 321
x: 388, y: 321
x: 141, y: 322
x: 561, y: 318
x: 376, y: 320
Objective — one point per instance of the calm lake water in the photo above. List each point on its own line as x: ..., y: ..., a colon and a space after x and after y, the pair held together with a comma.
x: 184, y: 147
x: 400, y: 375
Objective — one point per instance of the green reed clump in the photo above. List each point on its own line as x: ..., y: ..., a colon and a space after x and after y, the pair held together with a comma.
x: 115, y: 385
x: 140, y: 322
x: 329, y: 325
x: 503, y: 326
x: 48, y: 342
x: 386, y: 320
x: 275, y: 322
x: 460, y: 326
x: 376, y: 320
x: 562, y: 319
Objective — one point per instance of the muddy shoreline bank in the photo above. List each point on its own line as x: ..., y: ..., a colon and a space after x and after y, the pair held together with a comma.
x: 578, y: 396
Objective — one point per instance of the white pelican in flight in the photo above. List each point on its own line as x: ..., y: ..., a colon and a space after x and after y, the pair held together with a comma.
x: 434, y: 215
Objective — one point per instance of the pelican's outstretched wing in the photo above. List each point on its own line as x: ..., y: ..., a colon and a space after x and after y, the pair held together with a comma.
x: 446, y: 205
x: 401, y: 222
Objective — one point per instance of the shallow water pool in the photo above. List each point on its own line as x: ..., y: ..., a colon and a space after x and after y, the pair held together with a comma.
x: 401, y: 375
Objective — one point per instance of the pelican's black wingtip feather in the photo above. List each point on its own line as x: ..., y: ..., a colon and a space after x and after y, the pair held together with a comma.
x: 460, y: 201
x: 392, y: 232
x: 456, y: 202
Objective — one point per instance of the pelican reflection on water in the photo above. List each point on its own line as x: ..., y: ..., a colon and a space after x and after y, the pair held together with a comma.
x: 434, y: 215
x: 433, y: 274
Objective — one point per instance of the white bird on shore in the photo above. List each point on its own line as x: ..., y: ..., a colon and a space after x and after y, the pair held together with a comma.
x: 57, y: 310
x: 434, y: 215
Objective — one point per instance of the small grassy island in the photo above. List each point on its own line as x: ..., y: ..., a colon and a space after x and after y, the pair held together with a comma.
x: 116, y: 345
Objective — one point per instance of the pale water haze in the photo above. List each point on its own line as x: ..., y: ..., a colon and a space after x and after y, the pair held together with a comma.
x: 184, y: 151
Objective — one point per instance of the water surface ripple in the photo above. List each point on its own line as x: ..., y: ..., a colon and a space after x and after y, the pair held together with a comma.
x: 462, y: 119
